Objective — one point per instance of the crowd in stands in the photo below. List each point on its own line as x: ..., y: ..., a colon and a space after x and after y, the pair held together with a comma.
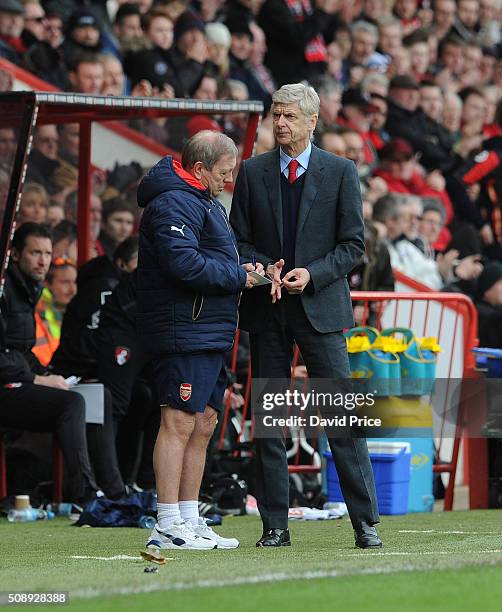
x: 410, y: 90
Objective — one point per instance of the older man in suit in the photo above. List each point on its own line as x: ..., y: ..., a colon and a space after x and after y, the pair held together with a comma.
x: 297, y: 210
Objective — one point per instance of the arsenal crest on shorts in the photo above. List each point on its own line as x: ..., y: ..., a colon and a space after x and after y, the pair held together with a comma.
x: 185, y: 391
x: 122, y: 355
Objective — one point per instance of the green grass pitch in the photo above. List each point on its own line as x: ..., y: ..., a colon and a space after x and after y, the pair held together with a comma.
x: 443, y: 561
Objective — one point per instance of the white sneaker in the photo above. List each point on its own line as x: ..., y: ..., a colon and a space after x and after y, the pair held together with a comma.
x: 204, y: 531
x: 179, y: 536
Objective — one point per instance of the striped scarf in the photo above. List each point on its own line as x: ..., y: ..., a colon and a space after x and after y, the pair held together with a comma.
x: 315, y: 49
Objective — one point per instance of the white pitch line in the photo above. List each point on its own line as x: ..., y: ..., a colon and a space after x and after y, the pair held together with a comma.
x: 115, y: 558
x: 270, y: 578
x: 450, y: 532
x: 424, y: 552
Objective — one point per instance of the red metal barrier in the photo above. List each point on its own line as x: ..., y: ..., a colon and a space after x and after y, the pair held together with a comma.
x: 427, y: 314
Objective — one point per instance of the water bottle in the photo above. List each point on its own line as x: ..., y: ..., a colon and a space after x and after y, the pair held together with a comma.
x: 62, y: 509
x: 28, y: 515
x: 146, y: 522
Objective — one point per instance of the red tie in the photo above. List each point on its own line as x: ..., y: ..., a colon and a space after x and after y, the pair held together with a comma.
x: 292, y: 168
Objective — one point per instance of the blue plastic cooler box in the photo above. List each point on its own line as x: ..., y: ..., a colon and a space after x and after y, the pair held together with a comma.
x: 391, y: 468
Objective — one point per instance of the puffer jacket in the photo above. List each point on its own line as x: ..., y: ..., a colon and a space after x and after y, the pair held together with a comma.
x: 189, y: 277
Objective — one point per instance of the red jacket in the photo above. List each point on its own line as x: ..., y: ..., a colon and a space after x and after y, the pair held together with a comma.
x: 417, y: 185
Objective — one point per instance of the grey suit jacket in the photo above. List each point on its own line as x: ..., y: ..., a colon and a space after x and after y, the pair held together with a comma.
x: 329, y: 238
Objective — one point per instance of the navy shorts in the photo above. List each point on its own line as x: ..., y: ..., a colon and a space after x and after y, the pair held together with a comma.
x: 191, y: 382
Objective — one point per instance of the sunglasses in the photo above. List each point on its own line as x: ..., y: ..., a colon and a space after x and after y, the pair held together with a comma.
x: 63, y: 261
x: 36, y: 19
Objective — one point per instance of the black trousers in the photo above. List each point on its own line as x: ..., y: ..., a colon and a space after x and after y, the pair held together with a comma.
x: 137, y: 434
x: 325, y: 356
x: 103, y: 452
x: 43, y: 409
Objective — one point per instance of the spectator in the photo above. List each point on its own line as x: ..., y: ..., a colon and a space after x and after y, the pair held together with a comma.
x: 406, y: 120
x: 218, y: 46
x: 419, y: 49
x: 452, y: 112
x: 155, y: 63
x: 356, y: 112
x: 363, y: 49
x: 489, y: 305
x: 375, y: 83
x: 264, y: 140
x: 330, y: 96
x: 189, y: 53
x: 390, y: 35
x: 65, y: 241
x: 54, y: 29
x: 11, y: 27
x: 8, y: 147
x: 400, y: 170
x: 331, y: 140
x: 407, y: 12
x: 487, y: 67
x: 55, y: 214
x: 117, y: 225
x: 43, y: 160
x: 241, y: 47
x: 335, y: 61
x: 296, y: 50
x: 87, y: 75
x: 82, y: 35
x: 127, y: 25
x: 466, y: 19
x: 34, y: 204
x: 378, y: 119
x: 444, y: 17
x: 373, y: 273
x: 41, y: 57
x: 114, y: 83
x: 450, y: 61
x: 207, y: 89
x: 257, y: 58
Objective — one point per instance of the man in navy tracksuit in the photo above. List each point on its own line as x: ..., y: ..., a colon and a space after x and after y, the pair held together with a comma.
x: 189, y: 284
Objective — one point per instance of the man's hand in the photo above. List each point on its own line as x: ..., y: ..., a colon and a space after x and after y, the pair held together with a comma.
x: 249, y: 267
x: 486, y: 234
x: 274, y: 274
x: 53, y: 380
x: 296, y: 280
x: 259, y: 269
x: 469, y: 268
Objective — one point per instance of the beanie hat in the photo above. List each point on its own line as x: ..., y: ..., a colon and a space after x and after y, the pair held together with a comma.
x: 188, y: 21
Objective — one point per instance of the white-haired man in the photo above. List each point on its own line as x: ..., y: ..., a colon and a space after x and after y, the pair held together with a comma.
x: 300, y: 208
x: 189, y: 283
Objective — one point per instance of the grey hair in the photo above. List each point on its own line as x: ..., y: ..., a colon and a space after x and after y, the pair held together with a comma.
x: 389, y: 206
x: 388, y: 20
x: 297, y: 93
x: 374, y: 77
x: 364, y: 26
x: 435, y: 205
x: 327, y: 84
x: 208, y: 147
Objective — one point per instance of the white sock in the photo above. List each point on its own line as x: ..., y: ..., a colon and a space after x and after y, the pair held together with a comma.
x: 189, y: 511
x: 167, y: 514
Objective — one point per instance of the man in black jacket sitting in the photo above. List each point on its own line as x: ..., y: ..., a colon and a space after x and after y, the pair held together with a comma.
x: 30, y: 398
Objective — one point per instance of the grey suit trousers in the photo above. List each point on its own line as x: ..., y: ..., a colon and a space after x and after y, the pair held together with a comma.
x: 325, y: 356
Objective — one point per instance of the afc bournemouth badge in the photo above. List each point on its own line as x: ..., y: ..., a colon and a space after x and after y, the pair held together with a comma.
x: 185, y: 391
x: 122, y: 355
